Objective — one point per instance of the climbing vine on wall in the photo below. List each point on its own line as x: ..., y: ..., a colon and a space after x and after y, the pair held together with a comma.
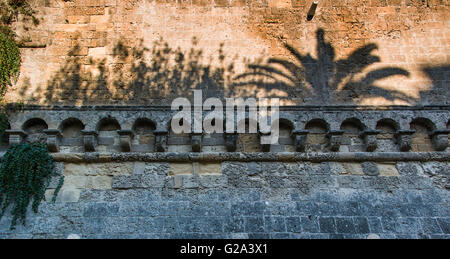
x: 9, y: 62
x: 25, y: 174
x: 9, y: 51
x: 10, y: 59
x: 10, y: 10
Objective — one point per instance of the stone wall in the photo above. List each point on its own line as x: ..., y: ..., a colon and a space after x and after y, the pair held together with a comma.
x: 369, y: 52
x: 244, y: 200
x: 338, y: 172
x: 364, y: 121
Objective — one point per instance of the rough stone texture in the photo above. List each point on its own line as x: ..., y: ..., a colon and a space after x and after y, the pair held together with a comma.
x: 77, y: 43
x: 250, y: 200
x: 354, y: 53
x: 245, y: 194
x: 109, y: 169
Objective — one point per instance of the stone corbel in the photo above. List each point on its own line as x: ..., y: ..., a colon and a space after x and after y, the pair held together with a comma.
x: 125, y: 138
x: 370, y: 139
x: 160, y: 140
x: 90, y: 140
x: 334, y: 139
x: 53, y: 139
x: 300, y: 139
x: 16, y: 136
x: 231, y: 141
x: 403, y: 139
x: 440, y: 139
x: 196, y: 141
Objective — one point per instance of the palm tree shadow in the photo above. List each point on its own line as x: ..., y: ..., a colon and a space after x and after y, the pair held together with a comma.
x: 439, y: 90
x: 324, y: 78
x: 135, y: 75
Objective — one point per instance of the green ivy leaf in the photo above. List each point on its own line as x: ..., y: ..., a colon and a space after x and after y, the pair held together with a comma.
x: 25, y: 174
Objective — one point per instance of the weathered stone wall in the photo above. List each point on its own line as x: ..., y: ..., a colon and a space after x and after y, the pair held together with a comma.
x: 364, y: 131
x: 244, y: 200
x: 332, y: 181
x: 375, y: 52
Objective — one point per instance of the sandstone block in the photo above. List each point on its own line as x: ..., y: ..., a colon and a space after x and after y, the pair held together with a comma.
x: 388, y: 170
x: 95, y: 52
x: 181, y: 168
x: 352, y: 168
x: 213, y: 168
x: 99, y: 182
x: 71, y: 169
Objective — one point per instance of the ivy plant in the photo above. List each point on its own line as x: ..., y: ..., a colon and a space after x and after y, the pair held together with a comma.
x: 25, y: 174
x: 11, y: 11
x: 9, y: 62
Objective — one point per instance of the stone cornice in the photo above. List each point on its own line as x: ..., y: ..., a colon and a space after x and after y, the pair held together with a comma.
x: 12, y: 106
x: 95, y: 157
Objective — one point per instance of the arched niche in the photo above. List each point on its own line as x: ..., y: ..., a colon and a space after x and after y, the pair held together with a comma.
x: 351, y: 140
x: 108, y: 124
x: 248, y: 141
x: 143, y: 126
x: 71, y: 128
x: 108, y: 138
x: 316, y: 139
x: 214, y: 142
x: 72, y: 140
x: 35, y: 128
x: 386, y: 138
x: 179, y: 141
x: 421, y: 140
x: 285, y: 140
x: 144, y: 139
x: 352, y: 126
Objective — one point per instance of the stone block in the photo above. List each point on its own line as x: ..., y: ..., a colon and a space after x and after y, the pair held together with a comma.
x: 98, y: 19
x: 16, y: 136
x: 68, y: 194
x: 361, y: 225
x: 254, y: 224
x: 75, y: 181
x: 345, y: 225
x: 274, y: 224
x: 444, y: 223
x: 249, y: 143
x: 293, y: 225
x: 210, y: 168
x: 98, y: 169
x: 99, y: 182
x: 388, y: 169
x: 316, y: 138
x: 181, y: 168
x: 327, y: 225
x: 370, y: 168
x: 352, y: 168
x: 97, y: 52
x: 214, y: 149
x: 180, y: 148
x: 298, y: 3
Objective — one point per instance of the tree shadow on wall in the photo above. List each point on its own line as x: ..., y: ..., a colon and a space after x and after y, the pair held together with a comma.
x: 439, y: 92
x: 80, y: 79
x: 137, y: 75
x: 323, y: 79
x: 164, y: 72
x: 154, y: 76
